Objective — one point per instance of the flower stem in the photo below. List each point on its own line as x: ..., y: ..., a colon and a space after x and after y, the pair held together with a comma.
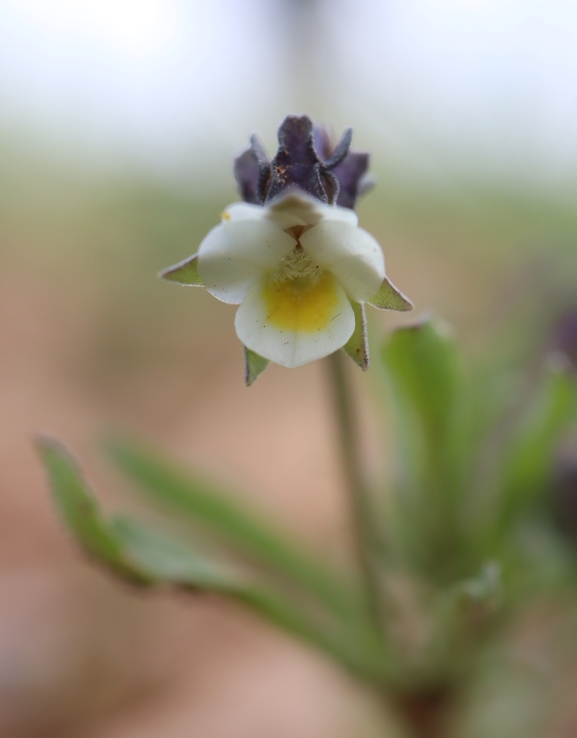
x: 359, y: 500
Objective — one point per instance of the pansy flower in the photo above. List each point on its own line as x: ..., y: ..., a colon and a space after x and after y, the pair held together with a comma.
x: 292, y: 255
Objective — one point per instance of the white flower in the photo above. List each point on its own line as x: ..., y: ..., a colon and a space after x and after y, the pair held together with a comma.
x: 296, y: 268
x: 293, y: 267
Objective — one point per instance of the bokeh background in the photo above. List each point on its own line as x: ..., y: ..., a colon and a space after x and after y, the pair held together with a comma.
x: 119, y: 121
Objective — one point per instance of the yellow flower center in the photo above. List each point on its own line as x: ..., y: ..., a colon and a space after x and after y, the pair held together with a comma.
x: 300, y: 296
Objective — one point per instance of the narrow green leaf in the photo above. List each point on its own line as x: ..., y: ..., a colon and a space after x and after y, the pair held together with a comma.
x: 424, y: 365
x: 426, y: 390
x: 168, y: 560
x: 357, y: 347
x: 171, y: 562
x: 254, y: 366
x: 141, y: 555
x: 231, y: 523
x: 528, y: 461
x: 390, y: 298
x: 483, y: 591
x: 185, y: 272
x: 80, y: 512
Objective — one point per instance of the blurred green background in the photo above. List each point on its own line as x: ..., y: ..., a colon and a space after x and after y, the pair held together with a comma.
x: 120, y: 125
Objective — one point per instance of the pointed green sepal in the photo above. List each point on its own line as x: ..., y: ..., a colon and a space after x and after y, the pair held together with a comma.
x: 254, y: 366
x: 357, y: 347
x: 390, y: 298
x: 185, y: 272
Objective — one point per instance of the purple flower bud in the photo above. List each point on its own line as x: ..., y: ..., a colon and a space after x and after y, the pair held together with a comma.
x: 306, y: 159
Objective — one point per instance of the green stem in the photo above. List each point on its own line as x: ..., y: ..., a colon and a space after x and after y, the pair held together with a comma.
x: 365, y: 538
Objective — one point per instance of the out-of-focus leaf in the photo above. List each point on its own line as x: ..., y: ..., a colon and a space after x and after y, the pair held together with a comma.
x: 390, y: 297
x: 481, y: 592
x: 232, y: 524
x: 168, y: 560
x: 254, y: 366
x: 185, y: 272
x: 425, y: 378
x: 529, y: 460
x: 81, y: 513
x: 136, y: 553
x: 460, y: 613
x: 424, y: 366
x: 357, y: 347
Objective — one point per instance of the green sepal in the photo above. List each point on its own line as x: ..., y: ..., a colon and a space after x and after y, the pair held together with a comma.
x: 185, y: 272
x: 254, y: 366
x: 357, y: 347
x: 390, y: 298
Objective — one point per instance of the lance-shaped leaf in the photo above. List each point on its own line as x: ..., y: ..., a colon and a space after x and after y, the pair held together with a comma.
x: 390, y: 298
x: 141, y: 555
x: 233, y: 525
x: 357, y: 347
x: 168, y: 561
x: 254, y: 366
x: 426, y: 390
x: 423, y: 362
x: 185, y: 272
x: 81, y: 514
x: 528, y: 462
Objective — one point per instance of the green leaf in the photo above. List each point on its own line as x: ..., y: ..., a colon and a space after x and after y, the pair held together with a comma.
x: 168, y: 560
x: 254, y: 366
x: 529, y: 459
x: 425, y: 379
x: 200, y: 502
x: 425, y: 368
x: 80, y: 512
x: 357, y: 347
x: 482, y: 592
x: 185, y: 272
x: 141, y: 555
x: 390, y: 298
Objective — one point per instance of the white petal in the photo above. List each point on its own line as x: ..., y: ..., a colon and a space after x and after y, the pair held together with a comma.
x: 243, y: 211
x: 292, y: 348
x: 351, y: 254
x: 236, y: 253
x: 297, y: 207
x: 344, y: 215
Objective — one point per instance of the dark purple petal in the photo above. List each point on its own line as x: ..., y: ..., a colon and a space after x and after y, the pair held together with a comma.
x: 341, y: 151
x: 351, y: 175
x: 306, y: 158
x: 252, y: 172
x: 296, y: 162
x: 323, y: 142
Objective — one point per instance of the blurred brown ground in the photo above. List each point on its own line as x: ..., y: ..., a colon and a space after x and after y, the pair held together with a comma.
x: 91, y: 340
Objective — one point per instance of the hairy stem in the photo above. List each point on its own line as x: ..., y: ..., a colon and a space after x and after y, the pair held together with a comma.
x: 359, y: 501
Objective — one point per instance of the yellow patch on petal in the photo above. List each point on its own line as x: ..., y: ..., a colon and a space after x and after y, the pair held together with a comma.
x: 301, y: 304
